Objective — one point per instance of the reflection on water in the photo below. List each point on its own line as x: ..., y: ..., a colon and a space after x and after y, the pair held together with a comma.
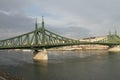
x: 63, y: 65
x: 41, y: 70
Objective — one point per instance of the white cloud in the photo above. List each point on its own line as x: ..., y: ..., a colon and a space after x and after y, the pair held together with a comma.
x: 4, y: 12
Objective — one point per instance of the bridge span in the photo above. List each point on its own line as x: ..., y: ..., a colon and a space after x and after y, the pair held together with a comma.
x: 42, y: 39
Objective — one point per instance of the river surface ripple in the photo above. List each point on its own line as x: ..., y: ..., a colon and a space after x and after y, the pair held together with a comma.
x: 63, y: 65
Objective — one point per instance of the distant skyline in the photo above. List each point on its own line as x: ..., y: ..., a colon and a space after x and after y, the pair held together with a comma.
x: 69, y: 18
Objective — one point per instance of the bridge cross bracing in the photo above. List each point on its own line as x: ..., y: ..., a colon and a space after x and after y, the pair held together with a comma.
x: 37, y: 39
x: 43, y: 38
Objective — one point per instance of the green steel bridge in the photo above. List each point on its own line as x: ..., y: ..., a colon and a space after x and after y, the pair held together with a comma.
x: 42, y: 38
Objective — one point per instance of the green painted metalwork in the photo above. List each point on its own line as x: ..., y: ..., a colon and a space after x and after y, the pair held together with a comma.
x: 36, y: 32
x: 42, y: 38
x: 43, y: 31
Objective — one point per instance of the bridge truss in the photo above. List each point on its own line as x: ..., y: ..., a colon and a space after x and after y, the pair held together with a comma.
x: 37, y: 39
x: 43, y: 38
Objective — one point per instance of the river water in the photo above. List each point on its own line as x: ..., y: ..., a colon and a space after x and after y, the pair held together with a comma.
x: 63, y: 65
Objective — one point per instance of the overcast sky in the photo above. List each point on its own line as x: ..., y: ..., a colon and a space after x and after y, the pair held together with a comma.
x: 70, y: 18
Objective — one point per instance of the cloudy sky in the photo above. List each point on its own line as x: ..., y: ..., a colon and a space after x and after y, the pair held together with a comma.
x: 70, y: 18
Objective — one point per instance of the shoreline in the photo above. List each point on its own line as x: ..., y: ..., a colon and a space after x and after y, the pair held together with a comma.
x: 87, y: 48
x: 8, y: 76
x: 80, y: 47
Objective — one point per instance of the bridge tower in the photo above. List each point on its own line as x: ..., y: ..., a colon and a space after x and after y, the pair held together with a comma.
x: 115, y: 32
x: 40, y: 55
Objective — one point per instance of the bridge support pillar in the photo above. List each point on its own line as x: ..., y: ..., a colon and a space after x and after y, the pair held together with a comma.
x: 40, y: 55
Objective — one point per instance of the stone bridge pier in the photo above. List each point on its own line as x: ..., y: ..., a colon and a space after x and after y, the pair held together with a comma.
x: 40, y: 55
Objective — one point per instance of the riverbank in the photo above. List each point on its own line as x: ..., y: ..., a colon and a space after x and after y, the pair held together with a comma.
x: 86, y: 47
x: 8, y: 76
x: 80, y: 47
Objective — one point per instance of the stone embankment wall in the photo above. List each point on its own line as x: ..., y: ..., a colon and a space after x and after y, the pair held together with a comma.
x: 82, y: 47
x: 114, y: 49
